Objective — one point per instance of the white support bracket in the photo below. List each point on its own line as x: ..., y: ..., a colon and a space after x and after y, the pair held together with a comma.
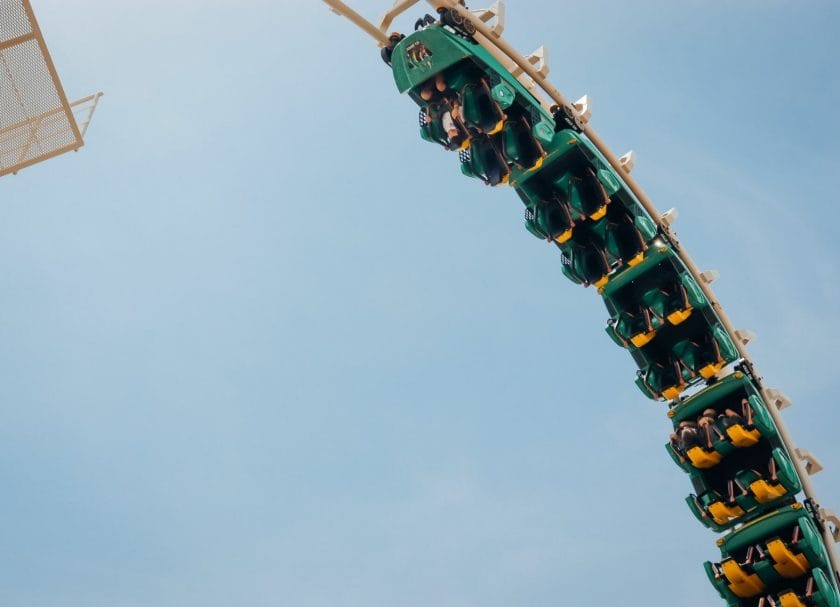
x: 811, y: 463
x: 709, y: 276
x: 778, y: 399
x: 494, y: 17
x: 669, y: 217
x: 745, y: 336
x: 628, y: 161
x: 832, y: 523
x: 539, y: 59
x: 584, y: 108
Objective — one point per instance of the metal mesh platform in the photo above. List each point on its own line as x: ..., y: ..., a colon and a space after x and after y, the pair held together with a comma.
x: 36, y: 121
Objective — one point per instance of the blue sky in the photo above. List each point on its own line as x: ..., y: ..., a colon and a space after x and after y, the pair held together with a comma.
x: 262, y: 345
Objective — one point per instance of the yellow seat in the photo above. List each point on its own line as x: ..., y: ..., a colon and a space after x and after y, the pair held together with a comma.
x: 498, y: 128
x: 537, y: 164
x: 741, y: 583
x: 723, y: 514
x: 641, y: 339
x: 634, y: 261
x: 564, y: 236
x: 672, y: 392
x: 789, y: 599
x: 710, y: 370
x: 679, y: 316
x: 765, y: 492
x: 599, y: 284
x: 741, y: 437
x: 700, y: 458
x: 599, y: 213
x: 787, y: 564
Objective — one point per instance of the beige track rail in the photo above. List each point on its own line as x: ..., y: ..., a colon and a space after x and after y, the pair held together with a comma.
x: 530, y: 76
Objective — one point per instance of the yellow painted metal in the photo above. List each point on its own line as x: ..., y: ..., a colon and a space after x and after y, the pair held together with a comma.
x: 679, y: 316
x: 740, y: 437
x: 765, y: 492
x: 700, y: 458
x: 710, y: 370
x: 641, y: 339
x: 497, y: 129
x: 564, y: 236
x: 722, y: 513
x: 538, y: 163
x: 599, y: 213
x: 787, y: 563
x: 741, y: 583
x: 789, y: 599
x: 634, y: 261
x: 673, y: 392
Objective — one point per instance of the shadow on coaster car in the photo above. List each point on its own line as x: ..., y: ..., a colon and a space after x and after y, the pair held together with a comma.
x: 658, y: 311
x: 598, y: 251
x: 577, y: 202
x: 726, y: 440
x: 667, y: 367
x: 491, y: 158
x: 484, y: 160
x: 522, y: 149
x: 471, y: 102
x: 471, y: 111
x: 574, y: 171
x: 656, y: 293
x: 777, y: 560
x: 482, y: 111
x: 682, y: 356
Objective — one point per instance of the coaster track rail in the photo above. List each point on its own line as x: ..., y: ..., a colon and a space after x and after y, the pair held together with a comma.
x: 535, y: 80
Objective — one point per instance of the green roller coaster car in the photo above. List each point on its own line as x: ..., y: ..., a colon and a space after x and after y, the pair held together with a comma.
x: 778, y: 559
x: 469, y: 102
x: 573, y: 198
x: 505, y: 127
x: 647, y: 299
x: 577, y: 201
x: 744, y: 478
x: 660, y: 314
x: 738, y: 463
x: 436, y: 49
x: 725, y: 438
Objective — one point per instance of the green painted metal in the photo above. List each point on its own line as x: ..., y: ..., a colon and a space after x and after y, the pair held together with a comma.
x: 741, y: 464
x: 419, y: 56
x: 736, y: 383
x: 761, y: 528
x: 504, y: 95
x: 574, y: 199
x: 483, y: 160
x: 658, y: 312
x: 749, y: 569
x: 521, y: 147
x: 434, y: 49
